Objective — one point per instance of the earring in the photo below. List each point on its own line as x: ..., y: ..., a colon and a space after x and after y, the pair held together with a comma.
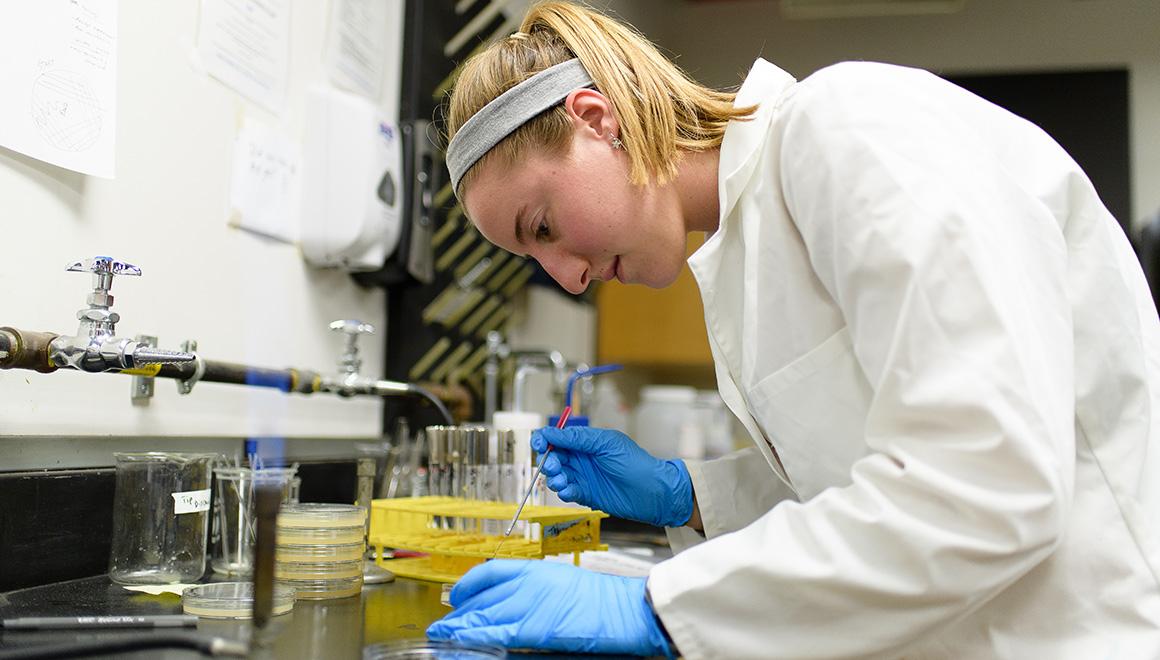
x: 616, y: 143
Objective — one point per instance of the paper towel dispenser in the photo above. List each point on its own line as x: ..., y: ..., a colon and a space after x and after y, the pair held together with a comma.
x: 351, y: 182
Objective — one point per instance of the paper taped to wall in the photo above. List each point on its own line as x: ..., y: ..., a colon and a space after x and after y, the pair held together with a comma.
x: 58, y: 82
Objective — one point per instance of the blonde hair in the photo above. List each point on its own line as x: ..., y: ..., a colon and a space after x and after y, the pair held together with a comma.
x: 661, y: 111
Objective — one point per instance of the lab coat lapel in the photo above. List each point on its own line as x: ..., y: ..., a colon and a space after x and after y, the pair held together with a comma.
x: 742, y: 142
x: 721, y: 253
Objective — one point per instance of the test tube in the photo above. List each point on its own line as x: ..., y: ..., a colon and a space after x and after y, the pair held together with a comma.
x: 420, y: 481
x: 511, y: 482
x: 457, y: 459
x: 475, y: 461
x: 436, y: 458
x: 437, y: 465
x: 487, y: 488
x: 501, y: 472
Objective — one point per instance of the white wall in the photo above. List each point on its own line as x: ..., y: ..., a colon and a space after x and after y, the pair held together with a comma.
x: 245, y: 299
x: 718, y: 41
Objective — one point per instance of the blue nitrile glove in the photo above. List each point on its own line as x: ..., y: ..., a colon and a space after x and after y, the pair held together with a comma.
x: 547, y: 606
x: 606, y: 470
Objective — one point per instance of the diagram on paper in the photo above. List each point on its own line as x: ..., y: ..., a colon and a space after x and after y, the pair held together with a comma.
x: 58, y: 66
x: 66, y: 110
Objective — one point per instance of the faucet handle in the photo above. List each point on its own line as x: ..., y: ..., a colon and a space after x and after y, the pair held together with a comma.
x: 104, y: 265
x: 350, y: 363
x: 103, y: 270
x: 352, y: 327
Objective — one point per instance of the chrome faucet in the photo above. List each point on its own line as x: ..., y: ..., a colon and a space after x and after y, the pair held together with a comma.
x: 348, y: 382
x: 96, y: 348
x: 497, y: 351
x: 350, y: 362
x: 530, y: 361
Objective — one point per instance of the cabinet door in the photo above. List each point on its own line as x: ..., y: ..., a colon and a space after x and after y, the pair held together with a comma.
x: 658, y: 327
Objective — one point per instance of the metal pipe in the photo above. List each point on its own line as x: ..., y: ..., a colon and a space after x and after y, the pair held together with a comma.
x: 287, y: 380
x: 23, y: 349
x: 352, y: 385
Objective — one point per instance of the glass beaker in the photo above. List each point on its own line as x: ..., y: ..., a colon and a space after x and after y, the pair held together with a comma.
x: 234, y: 524
x: 160, y: 517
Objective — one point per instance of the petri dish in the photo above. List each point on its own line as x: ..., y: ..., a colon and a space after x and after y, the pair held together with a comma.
x: 317, y: 570
x: 231, y: 600
x: 315, y: 515
x: 319, y: 553
x: 325, y: 589
x: 416, y: 649
x: 319, y: 536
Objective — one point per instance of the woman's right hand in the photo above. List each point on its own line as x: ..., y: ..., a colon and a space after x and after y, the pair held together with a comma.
x: 604, y: 469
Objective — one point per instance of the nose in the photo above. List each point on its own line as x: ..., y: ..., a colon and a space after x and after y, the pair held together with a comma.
x: 572, y: 273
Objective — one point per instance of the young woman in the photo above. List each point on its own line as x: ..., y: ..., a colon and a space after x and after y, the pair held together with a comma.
x: 938, y: 338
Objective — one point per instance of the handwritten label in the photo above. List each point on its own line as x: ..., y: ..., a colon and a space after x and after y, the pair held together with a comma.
x: 191, y: 501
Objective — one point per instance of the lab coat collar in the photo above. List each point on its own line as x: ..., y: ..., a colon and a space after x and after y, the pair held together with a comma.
x: 765, y: 86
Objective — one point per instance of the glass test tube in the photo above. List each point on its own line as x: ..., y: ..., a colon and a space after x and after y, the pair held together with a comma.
x: 438, y: 469
x: 501, y: 474
x: 456, y: 458
x: 475, y: 447
x: 511, y: 481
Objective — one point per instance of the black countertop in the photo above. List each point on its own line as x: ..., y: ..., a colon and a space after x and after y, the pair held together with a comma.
x: 313, y: 629
x: 330, y: 629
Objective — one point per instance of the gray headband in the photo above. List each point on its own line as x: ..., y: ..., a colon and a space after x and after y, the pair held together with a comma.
x: 510, y: 110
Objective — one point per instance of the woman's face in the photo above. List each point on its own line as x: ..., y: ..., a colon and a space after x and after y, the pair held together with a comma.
x: 578, y: 215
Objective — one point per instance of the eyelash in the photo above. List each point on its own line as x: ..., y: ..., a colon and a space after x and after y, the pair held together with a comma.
x: 541, y: 231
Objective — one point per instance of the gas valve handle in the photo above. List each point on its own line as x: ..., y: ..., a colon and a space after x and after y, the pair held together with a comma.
x: 103, y: 265
x: 350, y: 363
x: 103, y: 270
x: 352, y: 327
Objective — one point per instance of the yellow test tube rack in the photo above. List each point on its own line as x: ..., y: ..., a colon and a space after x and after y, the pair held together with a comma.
x: 420, y: 524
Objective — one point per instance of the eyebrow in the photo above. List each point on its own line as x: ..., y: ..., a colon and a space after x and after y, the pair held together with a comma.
x: 519, y: 226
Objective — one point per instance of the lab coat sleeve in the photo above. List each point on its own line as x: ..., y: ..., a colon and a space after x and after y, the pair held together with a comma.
x: 732, y: 491
x: 952, y: 281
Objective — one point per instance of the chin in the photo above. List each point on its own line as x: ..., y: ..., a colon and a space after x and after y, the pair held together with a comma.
x: 659, y: 279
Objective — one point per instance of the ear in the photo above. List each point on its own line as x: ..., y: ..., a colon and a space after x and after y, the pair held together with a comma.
x: 591, y: 113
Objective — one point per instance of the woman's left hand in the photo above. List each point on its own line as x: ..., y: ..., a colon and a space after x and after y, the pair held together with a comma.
x: 549, y: 606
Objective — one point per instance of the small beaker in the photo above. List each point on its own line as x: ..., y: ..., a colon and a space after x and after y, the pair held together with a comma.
x: 160, y: 517
x: 234, y: 522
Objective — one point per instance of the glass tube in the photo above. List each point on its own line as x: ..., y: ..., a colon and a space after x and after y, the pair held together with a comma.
x: 457, y: 459
x: 438, y: 470
x: 512, y: 482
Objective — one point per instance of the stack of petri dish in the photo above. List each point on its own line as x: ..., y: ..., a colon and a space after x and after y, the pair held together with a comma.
x: 320, y: 549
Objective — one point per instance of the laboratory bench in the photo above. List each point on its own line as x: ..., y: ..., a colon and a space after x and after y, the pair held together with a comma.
x: 325, y: 629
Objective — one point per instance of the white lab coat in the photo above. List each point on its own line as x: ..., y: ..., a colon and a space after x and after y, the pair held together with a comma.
x: 920, y: 301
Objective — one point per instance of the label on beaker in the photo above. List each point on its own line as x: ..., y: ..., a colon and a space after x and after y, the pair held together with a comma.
x: 191, y: 501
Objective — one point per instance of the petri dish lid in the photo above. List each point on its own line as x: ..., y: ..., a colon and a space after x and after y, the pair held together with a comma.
x: 323, y: 570
x: 342, y: 587
x: 232, y: 600
x: 317, y: 515
x: 299, y: 536
x: 431, y: 649
x: 307, y: 552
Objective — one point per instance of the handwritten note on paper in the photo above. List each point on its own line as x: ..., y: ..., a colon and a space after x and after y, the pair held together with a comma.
x: 356, y: 45
x: 264, y: 185
x: 246, y: 45
x: 58, y: 76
